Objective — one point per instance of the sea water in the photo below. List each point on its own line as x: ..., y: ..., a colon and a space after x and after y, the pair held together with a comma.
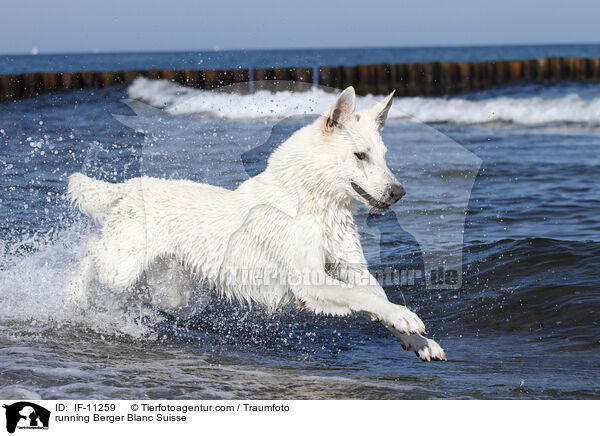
x: 522, y: 324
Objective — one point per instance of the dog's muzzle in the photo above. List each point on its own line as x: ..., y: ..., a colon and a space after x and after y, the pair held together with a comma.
x: 394, y: 194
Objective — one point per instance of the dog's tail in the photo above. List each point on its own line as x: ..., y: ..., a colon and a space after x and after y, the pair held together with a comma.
x: 93, y: 197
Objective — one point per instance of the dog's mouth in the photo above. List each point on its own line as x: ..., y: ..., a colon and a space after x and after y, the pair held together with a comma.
x: 374, y: 205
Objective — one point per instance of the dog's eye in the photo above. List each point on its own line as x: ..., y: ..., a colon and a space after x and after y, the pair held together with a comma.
x: 360, y: 156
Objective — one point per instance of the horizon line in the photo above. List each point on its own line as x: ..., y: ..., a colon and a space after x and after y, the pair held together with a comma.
x: 225, y: 50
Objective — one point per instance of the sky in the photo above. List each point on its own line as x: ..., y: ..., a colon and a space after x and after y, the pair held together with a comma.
x: 66, y: 26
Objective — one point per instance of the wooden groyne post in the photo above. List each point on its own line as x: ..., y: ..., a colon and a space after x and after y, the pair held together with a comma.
x: 409, y: 79
x: 286, y: 79
x: 448, y: 78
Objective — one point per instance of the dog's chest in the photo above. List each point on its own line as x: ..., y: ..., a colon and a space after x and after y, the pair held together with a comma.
x: 338, y: 229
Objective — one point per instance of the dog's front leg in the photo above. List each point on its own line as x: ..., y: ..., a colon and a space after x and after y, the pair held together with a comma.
x: 338, y: 298
x: 426, y: 349
x: 351, y: 268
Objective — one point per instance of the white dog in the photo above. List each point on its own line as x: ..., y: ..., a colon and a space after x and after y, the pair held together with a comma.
x: 290, y: 226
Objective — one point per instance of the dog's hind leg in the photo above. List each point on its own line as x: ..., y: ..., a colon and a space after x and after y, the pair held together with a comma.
x: 120, y: 260
x: 128, y: 245
x: 170, y: 283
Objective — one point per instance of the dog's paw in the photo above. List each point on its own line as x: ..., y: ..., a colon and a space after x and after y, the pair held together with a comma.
x: 405, y: 321
x: 428, y: 350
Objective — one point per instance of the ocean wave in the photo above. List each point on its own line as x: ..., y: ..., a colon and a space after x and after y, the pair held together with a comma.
x: 528, y: 110
x: 530, y: 285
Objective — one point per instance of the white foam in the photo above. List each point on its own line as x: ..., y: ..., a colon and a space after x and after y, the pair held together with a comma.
x: 529, y: 111
x: 33, y: 288
x: 177, y: 99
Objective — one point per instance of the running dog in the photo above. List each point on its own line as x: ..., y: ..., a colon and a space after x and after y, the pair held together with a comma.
x: 291, y: 225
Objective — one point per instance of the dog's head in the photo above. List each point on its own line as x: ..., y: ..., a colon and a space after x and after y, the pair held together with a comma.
x: 356, y: 140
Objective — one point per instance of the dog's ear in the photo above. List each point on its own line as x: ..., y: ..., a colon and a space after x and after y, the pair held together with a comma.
x: 342, y: 110
x: 379, y: 112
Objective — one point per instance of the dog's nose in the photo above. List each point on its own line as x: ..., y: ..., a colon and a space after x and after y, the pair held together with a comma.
x: 396, y: 192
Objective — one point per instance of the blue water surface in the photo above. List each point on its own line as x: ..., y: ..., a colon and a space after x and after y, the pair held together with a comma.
x: 524, y: 324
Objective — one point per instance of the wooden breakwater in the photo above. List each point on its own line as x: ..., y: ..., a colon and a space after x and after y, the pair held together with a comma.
x: 17, y: 86
x: 409, y: 79
x: 447, y: 78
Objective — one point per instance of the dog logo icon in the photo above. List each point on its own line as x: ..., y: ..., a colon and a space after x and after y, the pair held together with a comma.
x: 26, y: 415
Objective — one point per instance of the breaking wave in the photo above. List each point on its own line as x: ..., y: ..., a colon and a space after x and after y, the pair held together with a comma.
x: 526, y: 110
